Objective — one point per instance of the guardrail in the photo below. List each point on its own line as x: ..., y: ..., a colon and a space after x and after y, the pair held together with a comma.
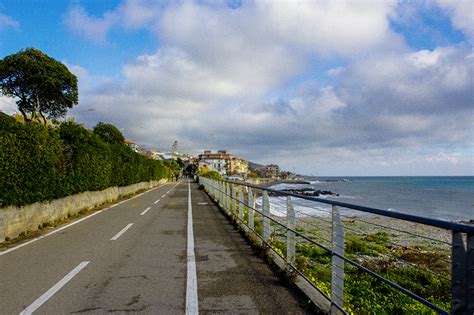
x: 340, y: 256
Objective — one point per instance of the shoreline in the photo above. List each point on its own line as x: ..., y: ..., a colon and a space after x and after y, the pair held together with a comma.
x: 275, y: 182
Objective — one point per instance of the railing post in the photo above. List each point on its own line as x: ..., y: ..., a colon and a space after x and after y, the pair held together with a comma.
x: 337, y: 263
x: 251, y: 203
x: 462, y: 274
x: 233, y: 199
x: 237, y: 203
x: 266, y: 220
x: 241, y: 204
x: 227, y: 197
x: 221, y: 193
x: 470, y: 274
x: 290, y: 235
x: 218, y: 185
x: 214, y: 189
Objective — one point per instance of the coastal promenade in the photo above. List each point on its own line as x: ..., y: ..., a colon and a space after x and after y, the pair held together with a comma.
x: 167, y: 251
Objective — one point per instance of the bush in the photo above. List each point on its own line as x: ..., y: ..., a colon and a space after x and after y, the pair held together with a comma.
x: 39, y: 163
x: 108, y: 133
x: 212, y: 175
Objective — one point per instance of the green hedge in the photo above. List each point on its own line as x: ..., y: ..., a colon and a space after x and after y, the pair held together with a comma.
x: 39, y: 163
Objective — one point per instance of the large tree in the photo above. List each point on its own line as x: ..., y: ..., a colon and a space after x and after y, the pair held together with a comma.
x: 41, y: 84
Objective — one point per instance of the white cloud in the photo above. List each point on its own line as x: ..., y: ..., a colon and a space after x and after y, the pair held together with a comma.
x: 424, y: 58
x: 334, y: 72
x: 135, y: 14
x: 91, y: 28
x: 7, y: 105
x: 173, y: 73
x: 341, y: 27
x: 7, y: 21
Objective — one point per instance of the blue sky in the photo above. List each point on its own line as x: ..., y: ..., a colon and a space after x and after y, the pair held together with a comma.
x: 323, y: 88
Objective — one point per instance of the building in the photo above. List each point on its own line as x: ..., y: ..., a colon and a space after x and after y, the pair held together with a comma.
x: 134, y: 146
x: 237, y: 166
x: 215, y: 161
x: 270, y: 170
x: 221, y: 154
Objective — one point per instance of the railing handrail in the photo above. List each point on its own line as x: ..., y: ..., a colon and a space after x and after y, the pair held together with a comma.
x: 454, y: 226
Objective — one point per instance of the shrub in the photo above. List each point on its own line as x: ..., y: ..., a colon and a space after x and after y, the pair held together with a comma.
x: 40, y: 163
x: 212, y: 175
x: 109, y: 133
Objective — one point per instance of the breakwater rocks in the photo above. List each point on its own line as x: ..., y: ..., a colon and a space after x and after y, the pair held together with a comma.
x: 307, y: 192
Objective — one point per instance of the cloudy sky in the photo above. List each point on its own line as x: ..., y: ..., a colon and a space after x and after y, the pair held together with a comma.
x: 324, y: 88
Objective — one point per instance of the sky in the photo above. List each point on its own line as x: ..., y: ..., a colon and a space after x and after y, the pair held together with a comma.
x: 324, y: 88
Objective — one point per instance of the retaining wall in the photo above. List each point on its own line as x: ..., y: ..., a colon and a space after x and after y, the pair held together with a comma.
x: 14, y: 220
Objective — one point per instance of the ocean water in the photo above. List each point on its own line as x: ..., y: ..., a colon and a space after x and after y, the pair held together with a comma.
x: 446, y: 198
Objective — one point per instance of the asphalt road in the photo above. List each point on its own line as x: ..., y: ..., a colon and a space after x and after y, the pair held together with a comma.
x: 137, y: 257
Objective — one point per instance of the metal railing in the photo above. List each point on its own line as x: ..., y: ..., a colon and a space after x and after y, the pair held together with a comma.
x: 336, y: 234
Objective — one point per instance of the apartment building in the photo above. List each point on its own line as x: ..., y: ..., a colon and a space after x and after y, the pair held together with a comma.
x: 237, y: 166
x: 216, y: 161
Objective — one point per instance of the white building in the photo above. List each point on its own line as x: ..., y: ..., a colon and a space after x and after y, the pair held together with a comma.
x: 218, y: 165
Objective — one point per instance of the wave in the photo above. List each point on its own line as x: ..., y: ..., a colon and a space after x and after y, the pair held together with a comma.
x: 302, y: 209
x: 306, y: 208
x: 283, y: 186
x: 323, y: 181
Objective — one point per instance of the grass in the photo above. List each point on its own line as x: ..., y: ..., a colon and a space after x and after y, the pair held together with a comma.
x: 420, y: 269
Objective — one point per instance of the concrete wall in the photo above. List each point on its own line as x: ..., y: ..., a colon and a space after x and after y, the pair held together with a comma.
x: 14, y: 220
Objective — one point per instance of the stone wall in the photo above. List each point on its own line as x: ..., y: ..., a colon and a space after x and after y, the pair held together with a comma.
x: 14, y: 220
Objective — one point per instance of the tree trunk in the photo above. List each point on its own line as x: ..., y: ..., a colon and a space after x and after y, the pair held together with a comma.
x: 44, y: 118
x: 37, y: 108
x: 25, y: 117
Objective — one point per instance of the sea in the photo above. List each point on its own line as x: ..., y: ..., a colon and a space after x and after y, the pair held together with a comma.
x: 441, y: 197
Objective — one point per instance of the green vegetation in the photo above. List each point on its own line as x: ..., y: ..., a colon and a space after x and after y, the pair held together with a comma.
x: 109, y: 133
x: 41, y: 84
x: 211, y: 174
x: 420, y: 270
x: 40, y: 163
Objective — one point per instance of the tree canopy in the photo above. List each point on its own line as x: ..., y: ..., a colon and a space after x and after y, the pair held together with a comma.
x: 109, y: 133
x: 41, y: 84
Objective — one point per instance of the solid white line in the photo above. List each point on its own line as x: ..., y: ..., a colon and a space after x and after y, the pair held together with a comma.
x: 157, y: 201
x: 116, y: 236
x: 146, y: 210
x: 48, y: 294
x: 50, y: 233
x: 191, y: 283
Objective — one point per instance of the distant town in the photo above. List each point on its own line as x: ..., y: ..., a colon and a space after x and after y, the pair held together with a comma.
x: 222, y: 162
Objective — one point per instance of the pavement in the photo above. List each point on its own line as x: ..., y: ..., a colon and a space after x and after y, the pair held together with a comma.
x: 142, y: 256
